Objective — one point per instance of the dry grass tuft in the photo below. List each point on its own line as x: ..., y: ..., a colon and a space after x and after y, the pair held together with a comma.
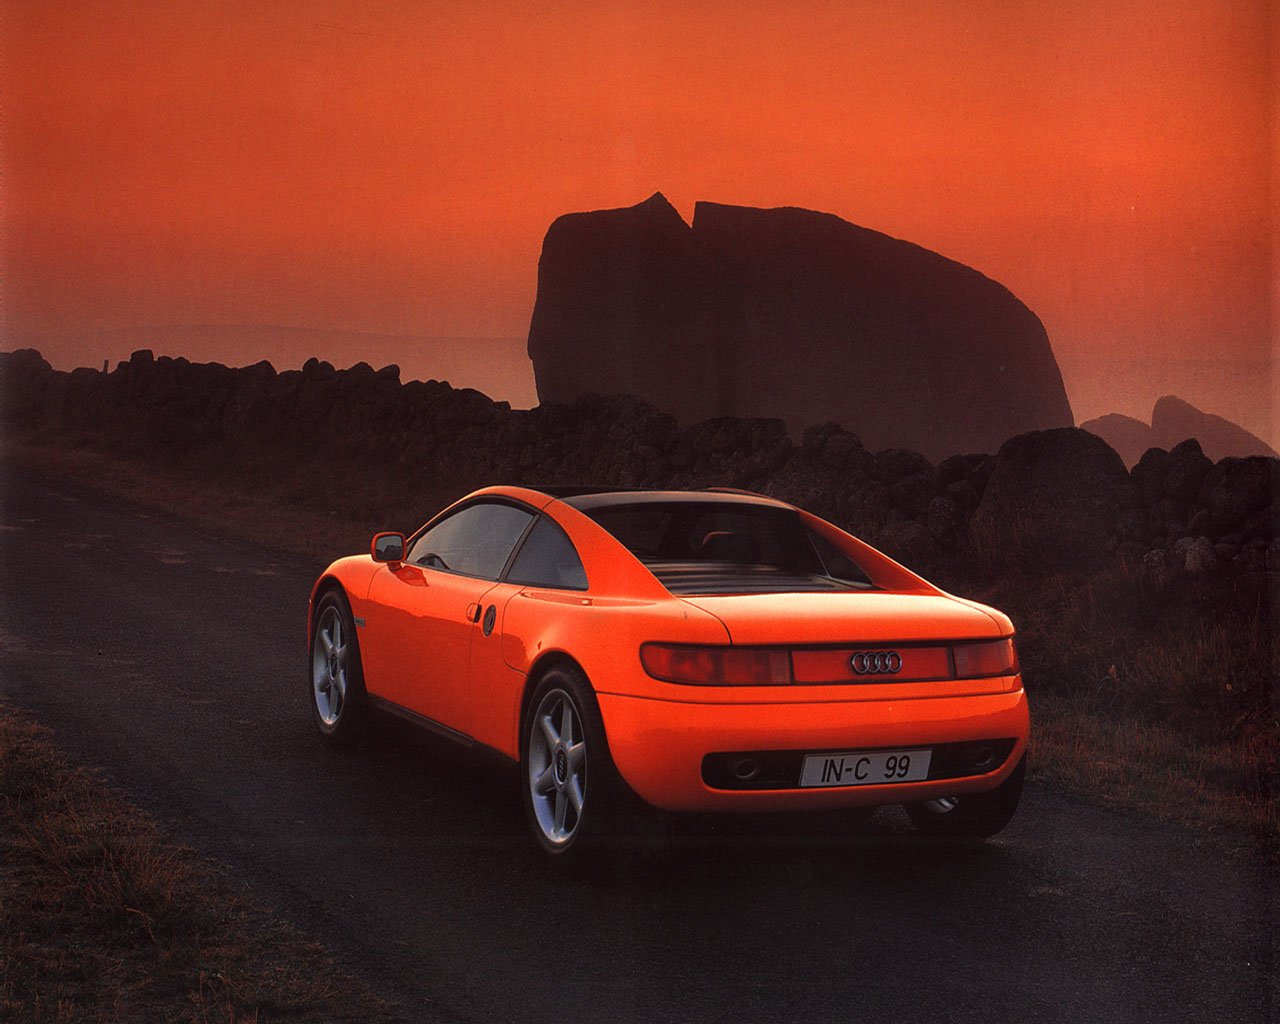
x: 102, y: 918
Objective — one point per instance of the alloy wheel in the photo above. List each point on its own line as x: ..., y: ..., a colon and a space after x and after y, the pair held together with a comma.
x: 329, y: 666
x: 557, y: 766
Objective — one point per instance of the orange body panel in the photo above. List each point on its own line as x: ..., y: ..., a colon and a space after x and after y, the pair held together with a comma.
x: 422, y: 649
x: 658, y: 746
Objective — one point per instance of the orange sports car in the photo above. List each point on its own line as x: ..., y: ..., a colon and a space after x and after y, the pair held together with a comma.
x: 704, y: 651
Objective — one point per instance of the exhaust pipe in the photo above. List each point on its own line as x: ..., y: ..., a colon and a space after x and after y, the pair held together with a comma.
x: 746, y: 769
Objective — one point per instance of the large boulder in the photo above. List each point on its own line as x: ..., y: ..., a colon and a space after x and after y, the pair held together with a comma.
x: 629, y: 302
x: 24, y: 377
x: 901, y: 346
x: 1241, y: 488
x: 1054, y: 498
x: 789, y: 314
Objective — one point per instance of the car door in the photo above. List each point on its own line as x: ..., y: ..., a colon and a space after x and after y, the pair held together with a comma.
x: 424, y: 613
x: 546, y: 567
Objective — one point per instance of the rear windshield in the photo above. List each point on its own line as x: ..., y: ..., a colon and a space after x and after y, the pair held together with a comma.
x: 706, y: 548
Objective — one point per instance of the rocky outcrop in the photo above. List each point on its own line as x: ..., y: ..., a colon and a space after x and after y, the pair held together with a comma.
x: 1174, y: 420
x: 793, y: 315
x: 1130, y: 437
x: 629, y: 302
x: 348, y: 440
x: 1054, y: 497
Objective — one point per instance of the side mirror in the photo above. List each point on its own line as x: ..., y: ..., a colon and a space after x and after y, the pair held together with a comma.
x: 387, y: 547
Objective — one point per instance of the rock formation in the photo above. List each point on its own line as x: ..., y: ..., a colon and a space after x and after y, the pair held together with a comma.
x: 1054, y: 497
x: 629, y: 302
x: 791, y: 314
x: 1129, y: 436
x: 1172, y: 421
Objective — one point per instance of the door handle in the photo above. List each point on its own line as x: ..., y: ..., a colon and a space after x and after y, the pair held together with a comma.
x: 473, y: 612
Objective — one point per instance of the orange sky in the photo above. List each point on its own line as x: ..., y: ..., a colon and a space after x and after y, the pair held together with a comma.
x: 392, y: 167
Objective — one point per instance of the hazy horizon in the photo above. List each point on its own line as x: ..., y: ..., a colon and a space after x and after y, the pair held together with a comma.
x: 500, y: 367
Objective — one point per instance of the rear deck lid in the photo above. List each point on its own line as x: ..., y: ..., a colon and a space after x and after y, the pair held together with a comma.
x: 858, y: 617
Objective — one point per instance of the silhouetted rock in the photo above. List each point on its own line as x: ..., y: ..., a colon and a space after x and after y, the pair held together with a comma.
x: 1174, y: 420
x: 899, y: 345
x: 908, y: 542
x: 1185, y: 471
x: 1130, y: 437
x: 790, y: 314
x: 630, y: 302
x: 1148, y: 472
x: 1238, y: 488
x: 1054, y: 497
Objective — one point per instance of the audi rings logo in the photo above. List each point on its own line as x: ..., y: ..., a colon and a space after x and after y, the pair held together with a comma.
x: 875, y: 663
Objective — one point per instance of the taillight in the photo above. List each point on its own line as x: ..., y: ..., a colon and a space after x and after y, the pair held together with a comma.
x: 717, y: 666
x: 989, y: 658
x: 772, y: 666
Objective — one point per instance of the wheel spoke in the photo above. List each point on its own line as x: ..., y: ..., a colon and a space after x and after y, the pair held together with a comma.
x: 326, y: 641
x: 546, y: 780
x: 566, y: 721
x: 577, y: 754
x: 337, y: 631
x: 549, y: 731
x: 562, y: 806
x: 574, y: 790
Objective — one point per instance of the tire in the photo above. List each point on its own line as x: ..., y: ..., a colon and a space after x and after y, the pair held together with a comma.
x: 339, y: 704
x: 571, y: 790
x: 973, y: 816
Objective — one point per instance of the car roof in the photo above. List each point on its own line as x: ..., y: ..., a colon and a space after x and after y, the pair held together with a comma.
x: 586, y: 498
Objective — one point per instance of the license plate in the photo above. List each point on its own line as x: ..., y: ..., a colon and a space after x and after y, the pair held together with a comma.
x: 865, y: 767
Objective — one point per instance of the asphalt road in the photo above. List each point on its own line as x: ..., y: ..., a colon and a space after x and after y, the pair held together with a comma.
x: 175, y: 660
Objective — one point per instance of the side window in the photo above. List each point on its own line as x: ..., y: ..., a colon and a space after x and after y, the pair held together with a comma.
x: 839, y: 566
x: 475, y: 541
x: 547, y: 559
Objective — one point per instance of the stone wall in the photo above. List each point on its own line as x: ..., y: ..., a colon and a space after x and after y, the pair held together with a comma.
x: 1058, y: 497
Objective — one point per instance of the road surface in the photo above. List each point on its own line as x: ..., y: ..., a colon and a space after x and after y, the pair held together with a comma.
x: 174, y: 659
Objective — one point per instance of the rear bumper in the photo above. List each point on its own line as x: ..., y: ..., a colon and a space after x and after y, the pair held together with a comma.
x: 659, y: 746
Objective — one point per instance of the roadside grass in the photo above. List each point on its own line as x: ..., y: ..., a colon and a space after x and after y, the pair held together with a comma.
x: 103, y: 918
x: 1155, y: 692
x: 1147, y: 691
x: 1153, y: 767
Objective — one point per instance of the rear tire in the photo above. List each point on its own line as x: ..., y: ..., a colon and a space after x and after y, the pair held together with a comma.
x: 571, y: 789
x: 972, y: 816
x: 339, y: 704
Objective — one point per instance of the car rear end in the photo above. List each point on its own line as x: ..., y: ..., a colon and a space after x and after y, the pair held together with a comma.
x: 860, y: 721
x: 842, y: 680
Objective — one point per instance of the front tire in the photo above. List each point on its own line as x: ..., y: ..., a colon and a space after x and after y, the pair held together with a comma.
x: 569, y: 784
x: 973, y: 816
x: 339, y: 705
